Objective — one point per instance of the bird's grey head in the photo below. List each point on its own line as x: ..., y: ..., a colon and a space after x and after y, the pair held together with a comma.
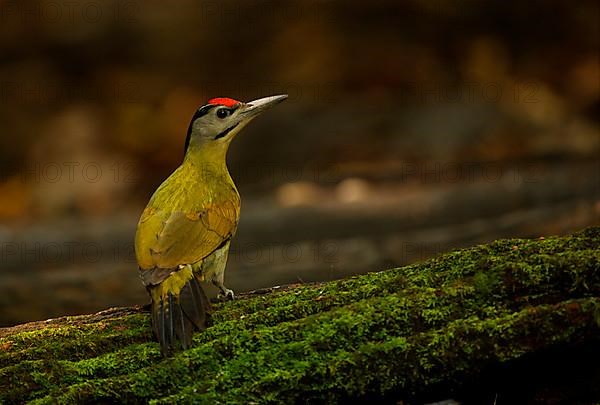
x: 222, y: 118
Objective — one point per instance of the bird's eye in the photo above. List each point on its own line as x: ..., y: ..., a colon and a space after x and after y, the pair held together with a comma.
x: 223, y: 113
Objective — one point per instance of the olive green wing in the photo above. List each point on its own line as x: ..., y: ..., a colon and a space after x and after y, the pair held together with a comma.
x: 167, y: 239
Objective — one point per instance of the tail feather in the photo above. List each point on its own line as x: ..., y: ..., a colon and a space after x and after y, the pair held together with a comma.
x: 175, y: 314
x: 162, y: 327
x: 184, y: 328
x: 195, y: 303
x: 170, y: 321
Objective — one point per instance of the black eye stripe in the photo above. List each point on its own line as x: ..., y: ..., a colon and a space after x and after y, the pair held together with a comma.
x: 201, y: 112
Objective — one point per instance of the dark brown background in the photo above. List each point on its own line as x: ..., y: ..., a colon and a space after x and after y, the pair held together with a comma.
x: 412, y: 128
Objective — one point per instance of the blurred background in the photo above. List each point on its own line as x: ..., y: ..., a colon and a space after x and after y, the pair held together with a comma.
x: 412, y: 128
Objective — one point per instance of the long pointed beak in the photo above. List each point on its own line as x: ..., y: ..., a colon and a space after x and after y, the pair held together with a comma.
x: 254, y: 108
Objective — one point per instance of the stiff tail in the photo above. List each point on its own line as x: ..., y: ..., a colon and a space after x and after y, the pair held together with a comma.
x: 179, y: 306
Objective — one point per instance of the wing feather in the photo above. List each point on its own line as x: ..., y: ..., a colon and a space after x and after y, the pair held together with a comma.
x: 168, y: 238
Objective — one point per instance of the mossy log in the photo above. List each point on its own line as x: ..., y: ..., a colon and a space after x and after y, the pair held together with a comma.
x: 391, y: 334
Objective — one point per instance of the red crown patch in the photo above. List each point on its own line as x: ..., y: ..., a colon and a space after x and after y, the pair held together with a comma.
x: 227, y: 102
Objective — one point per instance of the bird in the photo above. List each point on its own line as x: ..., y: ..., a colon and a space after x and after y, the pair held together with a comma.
x: 184, y: 233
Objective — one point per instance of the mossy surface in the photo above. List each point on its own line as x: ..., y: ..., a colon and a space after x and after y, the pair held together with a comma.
x: 395, y: 332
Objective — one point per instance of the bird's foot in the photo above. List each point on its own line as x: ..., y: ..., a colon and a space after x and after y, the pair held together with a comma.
x: 225, y: 294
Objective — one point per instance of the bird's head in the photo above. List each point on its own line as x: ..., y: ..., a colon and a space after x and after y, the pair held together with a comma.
x: 216, y: 123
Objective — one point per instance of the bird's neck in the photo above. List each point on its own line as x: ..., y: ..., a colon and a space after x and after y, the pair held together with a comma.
x: 209, y: 159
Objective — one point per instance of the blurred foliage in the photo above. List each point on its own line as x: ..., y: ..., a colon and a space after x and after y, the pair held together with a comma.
x: 117, y: 81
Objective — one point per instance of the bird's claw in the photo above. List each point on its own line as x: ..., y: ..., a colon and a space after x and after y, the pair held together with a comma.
x: 226, y: 294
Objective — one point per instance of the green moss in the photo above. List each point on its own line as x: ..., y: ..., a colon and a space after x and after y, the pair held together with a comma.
x: 400, y: 331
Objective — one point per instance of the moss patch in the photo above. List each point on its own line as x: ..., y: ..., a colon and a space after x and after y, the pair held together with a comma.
x: 396, y: 332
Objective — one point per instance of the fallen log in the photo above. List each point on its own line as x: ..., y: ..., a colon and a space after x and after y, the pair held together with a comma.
x: 396, y: 334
